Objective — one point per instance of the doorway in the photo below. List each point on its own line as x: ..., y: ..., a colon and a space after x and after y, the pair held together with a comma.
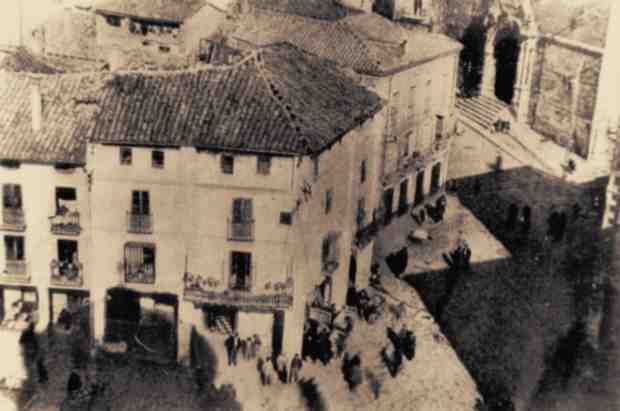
x: 352, y: 270
x: 471, y: 61
x: 220, y: 318
x: 278, y: 333
x: 402, y: 198
x: 506, y: 53
x: 388, y: 200
x: 419, y: 189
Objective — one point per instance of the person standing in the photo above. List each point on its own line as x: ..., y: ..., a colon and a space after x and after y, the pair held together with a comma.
x: 232, y: 344
x: 268, y: 370
x: 257, y: 344
x: 260, y: 364
x: 296, y: 365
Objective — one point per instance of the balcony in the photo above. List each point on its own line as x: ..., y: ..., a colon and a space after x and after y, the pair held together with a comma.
x: 139, y: 223
x: 207, y: 290
x: 66, y: 224
x: 13, y: 219
x: 139, y: 274
x: 66, y: 274
x: 241, y: 231
x: 364, y: 235
x: 15, y: 271
x: 417, y: 160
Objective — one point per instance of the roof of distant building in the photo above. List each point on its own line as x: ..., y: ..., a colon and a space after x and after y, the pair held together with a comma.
x: 367, y: 43
x: 277, y: 100
x: 318, y: 9
x: 169, y: 10
x: 585, y: 21
x: 23, y: 60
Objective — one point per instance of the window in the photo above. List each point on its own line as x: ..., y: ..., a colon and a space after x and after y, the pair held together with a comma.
x: 361, y: 211
x: 125, y: 156
x: 66, y: 200
x: 12, y: 196
x: 140, y: 263
x: 439, y: 127
x: 363, y: 170
x: 228, y: 164
x: 286, y: 218
x: 67, y: 252
x: 10, y: 163
x: 394, y: 110
x: 242, y: 219
x: 157, y: 159
x: 411, y: 105
x: 263, y: 165
x: 328, y: 201
x: 14, y: 248
x: 240, y: 271
x: 316, y: 167
x: 164, y: 49
x: 330, y: 253
x: 140, y: 203
x: 417, y: 7
x: 113, y: 21
x: 404, y: 150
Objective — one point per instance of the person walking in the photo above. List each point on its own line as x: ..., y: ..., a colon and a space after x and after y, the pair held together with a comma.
x: 260, y: 367
x: 257, y: 344
x: 282, y: 364
x: 296, y: 365
x: 243, y: 348
x: 232, y: 345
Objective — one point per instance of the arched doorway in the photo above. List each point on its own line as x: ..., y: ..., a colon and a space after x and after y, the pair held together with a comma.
x: 506, y: 52
x: 471, y: 61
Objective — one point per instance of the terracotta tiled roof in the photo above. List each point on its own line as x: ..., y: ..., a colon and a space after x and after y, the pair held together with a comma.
x: 367, y: 43
x: 66, y: 116
x: 22, y: 60
x: 171, y: 10
x: 580, y: 20
x: 318, y: 9
x: 277, y: 100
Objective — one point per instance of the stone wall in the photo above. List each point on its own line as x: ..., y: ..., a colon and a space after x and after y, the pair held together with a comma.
x: 564, y: 94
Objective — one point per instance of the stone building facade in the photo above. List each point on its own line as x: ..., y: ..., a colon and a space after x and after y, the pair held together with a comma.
x: 550, y: 61
x: 414, y: 71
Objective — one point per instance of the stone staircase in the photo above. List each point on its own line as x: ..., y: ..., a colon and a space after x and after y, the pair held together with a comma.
x: 483, y: 111
x: 223, y: 326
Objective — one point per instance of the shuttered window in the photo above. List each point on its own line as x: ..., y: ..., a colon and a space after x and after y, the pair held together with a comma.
x: 14, y: 248
x: 140, y: 203
x: 12, y: 196
x: 242, y: 210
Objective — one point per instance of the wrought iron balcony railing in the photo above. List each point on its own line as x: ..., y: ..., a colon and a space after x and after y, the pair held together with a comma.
x: 66, y: 224
x: 13, y: 219
x: 65, y: 273
x: 241, y: 230
x: 16, y: 271
x: 139, y: 223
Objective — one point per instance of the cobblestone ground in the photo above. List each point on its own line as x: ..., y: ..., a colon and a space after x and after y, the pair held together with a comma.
x: 506, y: 317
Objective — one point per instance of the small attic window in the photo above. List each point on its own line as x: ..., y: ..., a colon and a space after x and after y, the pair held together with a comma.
x: 164, y: 49
x: 113, y: 21
x: 10, y: 163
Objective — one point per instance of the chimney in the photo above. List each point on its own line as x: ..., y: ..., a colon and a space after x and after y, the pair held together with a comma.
x: 36, y: 107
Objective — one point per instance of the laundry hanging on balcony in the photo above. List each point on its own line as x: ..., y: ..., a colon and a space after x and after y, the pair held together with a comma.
x: 397, y: 262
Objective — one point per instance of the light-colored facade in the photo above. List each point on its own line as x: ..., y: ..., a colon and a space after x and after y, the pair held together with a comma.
x: 40, y: 241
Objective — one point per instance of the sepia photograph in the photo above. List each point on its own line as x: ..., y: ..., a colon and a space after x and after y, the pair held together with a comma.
x: 310, y: 205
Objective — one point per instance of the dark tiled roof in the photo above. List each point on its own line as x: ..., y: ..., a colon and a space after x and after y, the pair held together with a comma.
x: 171, y: 10
x: 318, y: 9
x: 367, y: 43
x: 67, y: 114
x: 279, y: 100
x: 22, y: 60
x: 580, y: 20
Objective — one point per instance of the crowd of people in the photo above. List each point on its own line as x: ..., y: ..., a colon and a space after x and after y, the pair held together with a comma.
x: 248, y: 347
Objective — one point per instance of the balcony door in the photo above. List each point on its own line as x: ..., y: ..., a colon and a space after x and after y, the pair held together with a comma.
x: 419, y: 189
x: 240, y: 270
x: 436, y: 178
x: 242, y: 219
x: 68, y: 258
x: 402, y: 199
x: 140, y: 203
x: 66, y: 199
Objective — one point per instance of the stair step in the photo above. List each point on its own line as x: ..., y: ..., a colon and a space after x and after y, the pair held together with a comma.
x: 481, y: 111
x: 477, y: 122
x: 469, y: 113
x: 481, y: 104
x: 495, y: 102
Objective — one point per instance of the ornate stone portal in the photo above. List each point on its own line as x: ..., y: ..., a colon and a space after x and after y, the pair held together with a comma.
x: 506, y: 18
